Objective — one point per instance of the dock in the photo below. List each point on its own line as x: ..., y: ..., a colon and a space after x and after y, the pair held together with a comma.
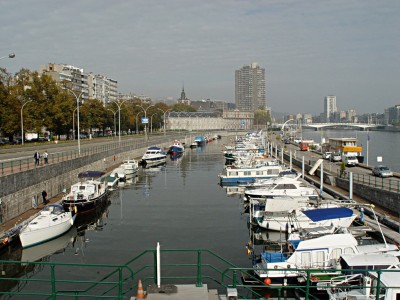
x: 182, y: 292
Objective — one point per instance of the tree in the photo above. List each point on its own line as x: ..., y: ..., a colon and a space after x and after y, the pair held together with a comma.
x: 9, y: 105
x: 183, y: 107
x: 261, y: 117
x: 92, y: 114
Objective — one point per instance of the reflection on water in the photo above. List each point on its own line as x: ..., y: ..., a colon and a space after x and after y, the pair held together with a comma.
x: 55, y: 246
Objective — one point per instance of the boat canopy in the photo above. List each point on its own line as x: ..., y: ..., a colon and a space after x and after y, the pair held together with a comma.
x: 91, y: 174
x: 321, y: 214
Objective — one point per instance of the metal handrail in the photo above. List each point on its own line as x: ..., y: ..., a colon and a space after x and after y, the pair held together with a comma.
x: 118, y: 281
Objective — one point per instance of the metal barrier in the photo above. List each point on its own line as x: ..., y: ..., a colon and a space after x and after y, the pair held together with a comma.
x: 50, y: 280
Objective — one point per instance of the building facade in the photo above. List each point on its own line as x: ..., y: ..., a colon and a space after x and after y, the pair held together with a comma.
x: 250, y: 88
x: 330, y: 108
x: 392, y: 115
x: 90, y: 86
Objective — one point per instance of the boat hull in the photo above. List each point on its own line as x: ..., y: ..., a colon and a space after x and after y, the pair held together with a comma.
x: 84, y: 206
x: 31, y: 237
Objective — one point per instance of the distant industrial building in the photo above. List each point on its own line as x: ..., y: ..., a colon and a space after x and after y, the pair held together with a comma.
x: 229, y: 120
x: 250, y: 88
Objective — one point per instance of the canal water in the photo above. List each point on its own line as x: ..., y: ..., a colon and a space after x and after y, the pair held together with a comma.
x: 180, y: 205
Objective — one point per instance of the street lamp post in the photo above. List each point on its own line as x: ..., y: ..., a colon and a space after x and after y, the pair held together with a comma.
x: 145, y: 116
x: 22, y: 121
x: 119, y: 104
x: 115, y: 128
x: 137, y: 131
x: 73, y: 124
x: 164, y: 112
x: 77, y: 115
x: 151, y: 122
x: 11, y: 55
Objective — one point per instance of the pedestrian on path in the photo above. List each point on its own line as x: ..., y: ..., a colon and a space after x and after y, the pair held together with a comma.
x: 44, y: 195
x: 46, y: 157
x: 36, y: 156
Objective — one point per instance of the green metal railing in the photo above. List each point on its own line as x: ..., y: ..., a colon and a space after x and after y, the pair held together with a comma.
x: 50, y: 280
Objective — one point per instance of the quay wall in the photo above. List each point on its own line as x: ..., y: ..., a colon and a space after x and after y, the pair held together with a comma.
x: 381, y: 197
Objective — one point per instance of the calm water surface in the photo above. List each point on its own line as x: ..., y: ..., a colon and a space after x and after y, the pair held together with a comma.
x: 179, y: 205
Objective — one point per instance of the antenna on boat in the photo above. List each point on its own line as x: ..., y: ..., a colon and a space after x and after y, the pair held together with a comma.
x: 379, y: 225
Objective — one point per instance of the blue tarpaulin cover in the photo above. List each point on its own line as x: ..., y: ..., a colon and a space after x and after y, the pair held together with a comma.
x: 320, y: 214
x: 91, y: 174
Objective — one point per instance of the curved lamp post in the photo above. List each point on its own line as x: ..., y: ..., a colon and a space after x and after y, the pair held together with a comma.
x: 77, y: 117
x: 151, y: 122
x: 137, y: 131
x: 22, y: 121
x: 145, y: 116
x: 115, y: 128
x: 11, y: 55
x: 119, y: 104
x: 164, y: 112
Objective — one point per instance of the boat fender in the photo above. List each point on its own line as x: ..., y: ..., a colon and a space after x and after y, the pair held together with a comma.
x: 275, y: 267
x: 288, y: 266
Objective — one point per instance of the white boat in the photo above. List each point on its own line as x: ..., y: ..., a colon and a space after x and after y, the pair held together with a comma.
x: 57, y: 245
x: 119, y: 173
x: 52, y: 222
x: 234, y: 175
x: 355, y: 284
x: 319, y: 253
x: 282, y: 186
x: 153, y: 156
x: 130, y: 166
x: 86, y: 195
x: 389, y: 283
x: 308, y: 217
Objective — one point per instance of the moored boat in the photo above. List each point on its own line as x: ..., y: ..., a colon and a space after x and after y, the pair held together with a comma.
x: 320, y: 253
x: 235, y: 175
x: 153, y: 156
x: 200, y: 140
x: 86, y: 195
x: 52, y: 221
x: 130, y: 166
x: 176, y: 147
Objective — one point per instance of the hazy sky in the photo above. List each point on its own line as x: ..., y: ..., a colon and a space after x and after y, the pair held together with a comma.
x: 309, y: 48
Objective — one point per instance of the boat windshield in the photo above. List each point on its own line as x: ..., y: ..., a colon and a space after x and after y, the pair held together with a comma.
x: 54, y: 209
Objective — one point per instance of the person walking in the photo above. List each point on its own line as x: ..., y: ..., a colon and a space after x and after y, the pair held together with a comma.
x: 36, y: 156
x: 44, y: 195
x: 46, y: 157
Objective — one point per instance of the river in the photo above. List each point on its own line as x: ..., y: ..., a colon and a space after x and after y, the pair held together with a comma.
x: 384, y: 144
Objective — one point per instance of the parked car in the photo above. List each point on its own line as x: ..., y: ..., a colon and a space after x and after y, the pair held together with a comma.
x: 382, y: 171
x: 327, y: 155
x: 336, y: 157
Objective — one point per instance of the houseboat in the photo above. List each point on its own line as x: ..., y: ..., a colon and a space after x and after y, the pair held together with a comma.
x: 348, y: 148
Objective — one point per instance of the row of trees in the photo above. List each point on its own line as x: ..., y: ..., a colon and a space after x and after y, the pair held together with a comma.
x: 46, y: 105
